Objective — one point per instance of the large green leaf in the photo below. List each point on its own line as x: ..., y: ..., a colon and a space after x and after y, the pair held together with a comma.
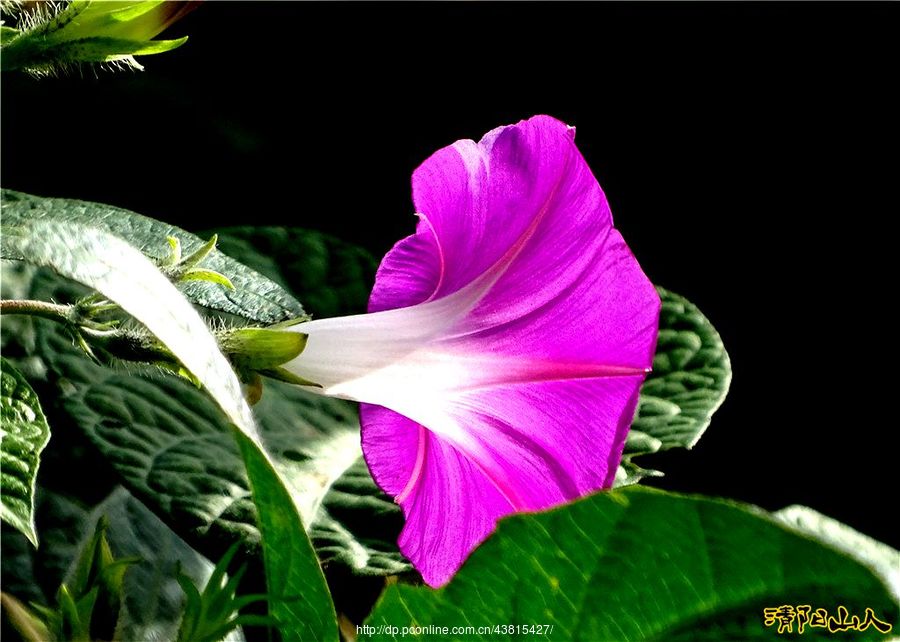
x: 171, y: 447
x: 299, y: 607
x: 690, y: 378
x: 638, y: 564
x: 103, y: 262
x: 255, y: 297
x: 24, y: 433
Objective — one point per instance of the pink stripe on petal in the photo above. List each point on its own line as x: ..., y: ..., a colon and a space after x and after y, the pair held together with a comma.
x: 594, y: 307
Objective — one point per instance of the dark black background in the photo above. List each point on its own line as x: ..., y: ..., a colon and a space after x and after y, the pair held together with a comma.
x: 743, y: 147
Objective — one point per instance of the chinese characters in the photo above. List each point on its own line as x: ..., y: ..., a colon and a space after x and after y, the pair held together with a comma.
x: 786, y: 616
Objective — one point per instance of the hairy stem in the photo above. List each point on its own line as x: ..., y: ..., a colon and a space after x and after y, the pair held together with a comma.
x: 43, y: 309
x: 128, y: 346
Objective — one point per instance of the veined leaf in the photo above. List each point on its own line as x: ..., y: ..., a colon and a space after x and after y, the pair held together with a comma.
x: 635, y: 565
x: 690, y: 378
x: 332, y: 278
x: 23, y: 434
x: 171, y: 447
x: 254, y: 297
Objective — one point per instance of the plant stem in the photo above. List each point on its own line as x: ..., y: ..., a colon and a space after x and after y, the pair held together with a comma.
x: 128, y: 346
x: 43, y: 309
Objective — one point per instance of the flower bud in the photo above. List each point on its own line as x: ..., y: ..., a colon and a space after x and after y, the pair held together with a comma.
x: 92, y: 31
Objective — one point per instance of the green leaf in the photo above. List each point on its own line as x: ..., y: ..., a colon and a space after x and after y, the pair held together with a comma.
x: 299, y: 598
x: 638, y: 564
x: 881, y: 558
x: 209, y: 616
x: 105, y: 263
x: 34, y: 575
x: 95, y: 579
x: 353, y: 522
x: 24, y: 434
x: 151, y: 598
x: 331, y: 277
x: 254, y: 296
x: 171, y: 447
x: 690, y: 378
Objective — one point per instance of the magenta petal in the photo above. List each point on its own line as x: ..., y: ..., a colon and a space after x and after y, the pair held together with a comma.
x: 456, y: 506
x: 409, y: 272
x: 595, y: 308
x: 537, y: 445
x: 479, y: 201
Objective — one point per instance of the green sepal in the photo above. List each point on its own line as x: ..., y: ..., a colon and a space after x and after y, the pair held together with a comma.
x: 127, y: 14
x: 179, y: 370
x: 282, y: 374
x: 32, y: 54
x: 142, y: 48
x: 281, y: 325
x: 261, y: 348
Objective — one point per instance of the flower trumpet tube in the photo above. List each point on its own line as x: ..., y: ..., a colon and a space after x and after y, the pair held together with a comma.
x: 499, y: 366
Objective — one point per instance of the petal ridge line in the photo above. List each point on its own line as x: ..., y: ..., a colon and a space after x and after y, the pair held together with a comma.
x: 417, y: 468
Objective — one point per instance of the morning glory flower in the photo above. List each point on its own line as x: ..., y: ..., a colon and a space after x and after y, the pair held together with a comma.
x: 507, y: 339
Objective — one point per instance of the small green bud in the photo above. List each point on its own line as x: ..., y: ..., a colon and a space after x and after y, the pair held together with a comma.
x: 199, y: 274
x: 174, y: 257
x: 180, y: 269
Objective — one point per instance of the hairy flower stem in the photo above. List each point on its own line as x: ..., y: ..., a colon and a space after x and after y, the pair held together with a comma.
x: 117, y: 343
x: 42, y: 309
